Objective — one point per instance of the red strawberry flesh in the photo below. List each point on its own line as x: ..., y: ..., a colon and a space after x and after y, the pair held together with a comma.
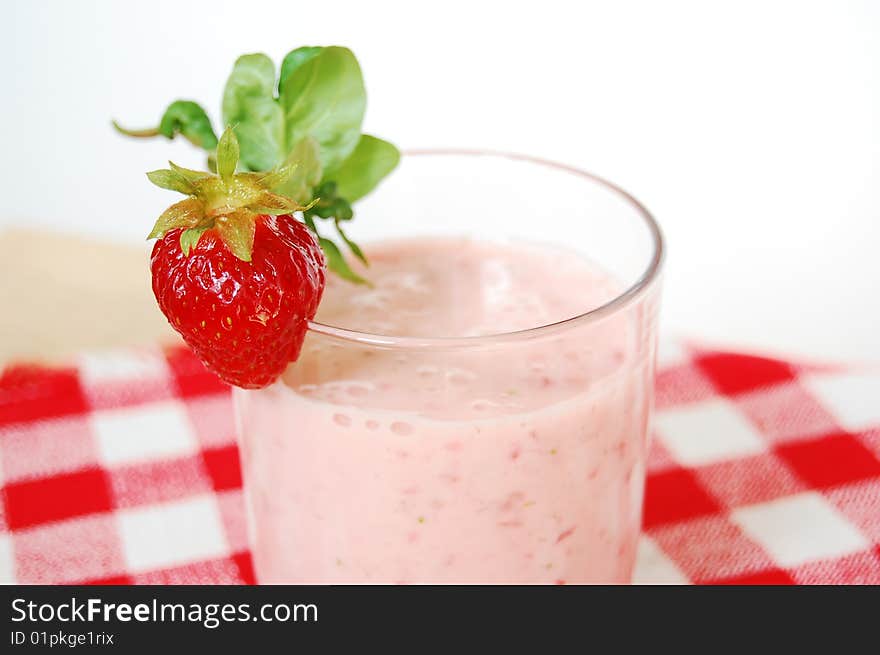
x: 246, y: 320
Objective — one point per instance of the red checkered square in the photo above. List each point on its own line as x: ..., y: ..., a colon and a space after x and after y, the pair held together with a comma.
x: 157, y: 482
x: 69, y: 552
x: 223, y: 467
x: 735, y: 373
x: 711, y: 548
x: 56, y: 498
x: 674, y: 496
x: 786, y: 412
x: 36, y: 393
x: 40, y: 449
x: 113, y: 580
x: 766, y: 577
x: 749, y: 480
x: 830, y: 460
x: 245, y: 567
x: 191, y: 376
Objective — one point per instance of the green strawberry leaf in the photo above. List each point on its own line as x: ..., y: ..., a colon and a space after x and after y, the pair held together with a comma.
x: 305, y: 176
x: 329, y: 204
x: 278, y: 176
x: 189, y: 238
x: 355, y: 248
x: 227, y: 155
x: 336, y: 262
x: 187, y: 214
x: 310, y: 223
x: 324, y: 97
x: 294, y: 59
x: 190, y: 120
x: 139, y: 134
x: 371, y: 160
x: 267, y: 202
x: 190, y: 175
x: 237, y: 232
x: 249, y: 105
x: 183, y: 117
x: 171, y: 180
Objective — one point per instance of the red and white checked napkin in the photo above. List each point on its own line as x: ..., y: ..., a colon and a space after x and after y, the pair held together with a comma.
x: 124, y: 469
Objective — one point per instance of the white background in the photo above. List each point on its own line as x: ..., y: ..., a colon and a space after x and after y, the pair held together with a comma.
x: 750, y: 129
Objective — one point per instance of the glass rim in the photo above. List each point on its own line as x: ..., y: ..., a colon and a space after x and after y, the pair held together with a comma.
x: 622, y: 300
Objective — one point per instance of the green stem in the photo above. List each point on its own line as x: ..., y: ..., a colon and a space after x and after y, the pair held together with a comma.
x: 136, y: 133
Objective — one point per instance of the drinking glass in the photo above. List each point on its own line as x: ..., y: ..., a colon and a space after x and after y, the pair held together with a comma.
x: 504, y: 458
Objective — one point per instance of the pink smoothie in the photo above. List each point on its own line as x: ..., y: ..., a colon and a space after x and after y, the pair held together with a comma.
x: 512, y: 460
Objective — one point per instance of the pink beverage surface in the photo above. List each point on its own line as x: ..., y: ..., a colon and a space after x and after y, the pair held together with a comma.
x: 520, y: 462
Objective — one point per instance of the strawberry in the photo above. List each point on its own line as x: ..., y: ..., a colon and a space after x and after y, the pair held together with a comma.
x: 309, y: 109
x: 233, y: 271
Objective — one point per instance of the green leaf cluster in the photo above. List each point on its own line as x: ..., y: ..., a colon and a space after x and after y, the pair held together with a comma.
x: 309, y: 117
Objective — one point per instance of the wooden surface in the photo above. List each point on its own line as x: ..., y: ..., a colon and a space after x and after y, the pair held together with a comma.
x: 60, y: 295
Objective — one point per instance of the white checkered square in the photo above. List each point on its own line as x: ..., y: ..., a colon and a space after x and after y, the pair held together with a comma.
x: 799, y: 529
x: 707, y: 432
x: 148, y: 432
x: 172, y: 534
x: 235, y: 524
x: 670, y: 353
x: 853, y: 398
x: 100, y: 367
x: 654, y: 567
x: 7, y: 559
